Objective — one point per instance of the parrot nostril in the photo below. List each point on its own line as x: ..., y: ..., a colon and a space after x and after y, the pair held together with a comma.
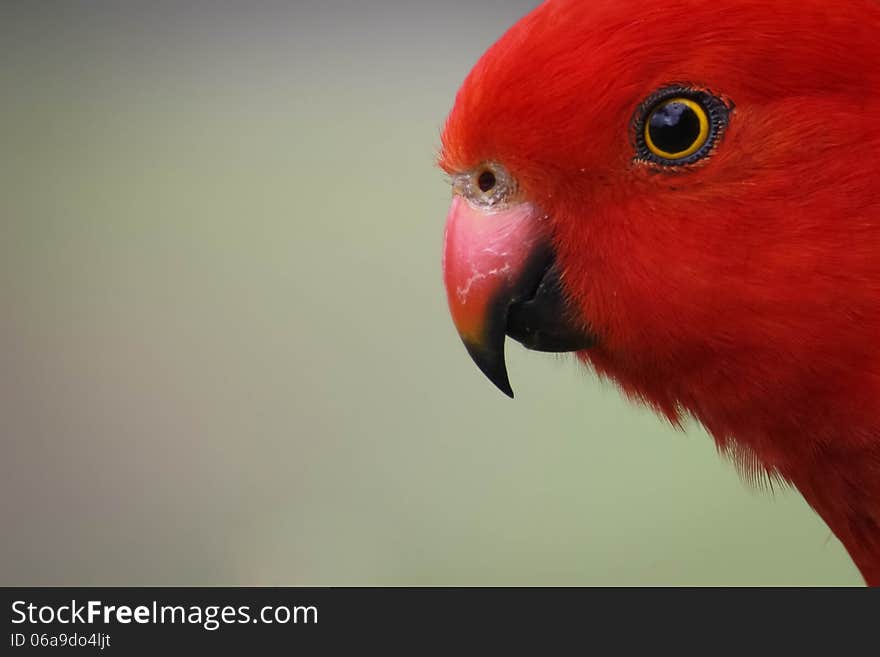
x: 486, y: 181
x: 489, y: 186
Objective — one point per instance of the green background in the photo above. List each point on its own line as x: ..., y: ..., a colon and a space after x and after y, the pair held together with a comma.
x: 226, y: 356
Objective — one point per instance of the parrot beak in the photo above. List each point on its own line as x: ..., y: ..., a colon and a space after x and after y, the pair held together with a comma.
x: 502, y: 279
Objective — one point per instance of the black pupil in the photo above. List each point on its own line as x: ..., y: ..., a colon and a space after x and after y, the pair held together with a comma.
x: 674, y: 127
x: 486, y: 181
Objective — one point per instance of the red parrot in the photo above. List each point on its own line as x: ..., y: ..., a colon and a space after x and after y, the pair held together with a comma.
x: 685, y: 193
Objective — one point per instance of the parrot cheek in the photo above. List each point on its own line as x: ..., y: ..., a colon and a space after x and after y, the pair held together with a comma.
x: 501, y: 279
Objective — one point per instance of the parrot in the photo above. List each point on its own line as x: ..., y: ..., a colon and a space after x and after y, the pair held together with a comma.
x: 686, y: 196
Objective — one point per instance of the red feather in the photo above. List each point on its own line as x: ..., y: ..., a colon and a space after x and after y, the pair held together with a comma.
x: 743, y: 290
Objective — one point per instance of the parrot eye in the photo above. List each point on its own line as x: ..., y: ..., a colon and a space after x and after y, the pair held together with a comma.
x: 488, y: 186
x: 679, y: 126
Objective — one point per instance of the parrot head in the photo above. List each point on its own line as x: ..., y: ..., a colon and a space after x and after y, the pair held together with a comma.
x: 674, y: 190
x: 684, y: 193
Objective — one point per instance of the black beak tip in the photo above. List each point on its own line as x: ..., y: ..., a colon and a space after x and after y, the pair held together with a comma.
x: 491, y: 363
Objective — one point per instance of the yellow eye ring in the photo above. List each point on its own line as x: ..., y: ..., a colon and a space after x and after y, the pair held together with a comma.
x: 676, y: 129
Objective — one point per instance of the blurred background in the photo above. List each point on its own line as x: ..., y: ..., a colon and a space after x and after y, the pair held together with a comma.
x: 225, y: 355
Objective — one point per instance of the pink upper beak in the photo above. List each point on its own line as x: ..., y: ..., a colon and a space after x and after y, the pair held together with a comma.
x: 502, y: 279
x: 486, y: 257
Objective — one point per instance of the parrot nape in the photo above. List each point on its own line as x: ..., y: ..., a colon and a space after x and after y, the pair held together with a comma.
x: 686, y: 194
